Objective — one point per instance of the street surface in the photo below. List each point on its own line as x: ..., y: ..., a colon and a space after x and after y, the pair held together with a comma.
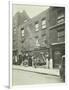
x: 20, y: 77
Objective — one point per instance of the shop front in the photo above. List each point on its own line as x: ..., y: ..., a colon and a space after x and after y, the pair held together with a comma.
x: 42, y: 56
x: 58, y: 50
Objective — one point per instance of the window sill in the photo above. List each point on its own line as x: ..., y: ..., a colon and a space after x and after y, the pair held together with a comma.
x: 44, y: 28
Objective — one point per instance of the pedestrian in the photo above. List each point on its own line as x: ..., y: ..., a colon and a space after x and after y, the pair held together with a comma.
x: 35, y: 62
x: 30, y: 61
x: 20, y: 59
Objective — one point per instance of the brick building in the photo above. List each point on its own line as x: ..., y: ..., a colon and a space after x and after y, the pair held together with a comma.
x: 18, y: 20
x: 41, y: 35
x: 57, y: 35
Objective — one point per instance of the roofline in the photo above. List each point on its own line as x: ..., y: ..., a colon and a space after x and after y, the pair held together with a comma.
x: 41, y: 13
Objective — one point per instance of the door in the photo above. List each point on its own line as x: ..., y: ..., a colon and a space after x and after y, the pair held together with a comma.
x: 57, y: 59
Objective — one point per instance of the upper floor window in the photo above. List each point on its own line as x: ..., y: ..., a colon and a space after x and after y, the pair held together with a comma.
x: 25, y: 20
x: 43, y: 23
x: 60, y: 18
x: 37, y: 43
x: 36, y: 26
x: 14, y: 30
x: 22, y: 31
x: 61, y: 35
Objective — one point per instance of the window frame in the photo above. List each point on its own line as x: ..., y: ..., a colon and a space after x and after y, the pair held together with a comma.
x: 37, y: 26
x: 22, y: 32
x: 37, y: 43
x: 60, y: 19
x: 14, y: 30
x: 60, y: 35
x: 43, y: 23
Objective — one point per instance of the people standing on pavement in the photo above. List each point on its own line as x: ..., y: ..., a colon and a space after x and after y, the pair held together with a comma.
x: 25, y: 59
x: 20, y: 59
x: 30, y: 61
x: 35, y: 64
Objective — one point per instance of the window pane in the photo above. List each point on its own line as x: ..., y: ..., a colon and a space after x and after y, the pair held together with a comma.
x: 14, y: 30
x: 60, y: 21
x: 60, y: 18
x: 22, y: 32
x: 43, y: 23
x: 36, y: 26
x: 37, y: 43
x: 37, y: 29
x: 43, y: 26
x: 61, y: 33
x: 61, y: 38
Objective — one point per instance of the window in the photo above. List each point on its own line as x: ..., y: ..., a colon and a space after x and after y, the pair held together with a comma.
x: 22, y: 31
x: 61, y: 35
x: 14, y: 30
x: 43, y: 23
x: 60, y: 19
x: 37, y: 43
x: 25, y: 20
x: 44, y: 38
x: 36, y: 26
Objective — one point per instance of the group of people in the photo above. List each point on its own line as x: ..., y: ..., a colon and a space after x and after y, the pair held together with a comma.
x: 29, y: 60
x: 24, y: 59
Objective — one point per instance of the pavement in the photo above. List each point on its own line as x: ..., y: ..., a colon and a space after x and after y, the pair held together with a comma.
x: 54, y: 72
